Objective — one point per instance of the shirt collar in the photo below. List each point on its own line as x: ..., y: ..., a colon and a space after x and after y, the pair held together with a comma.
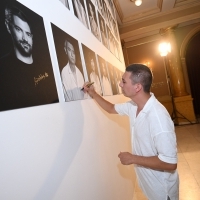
x: 69, y: 69
x: 149, y: 103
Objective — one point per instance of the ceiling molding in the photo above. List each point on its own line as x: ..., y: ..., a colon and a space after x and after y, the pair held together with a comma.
x: 144, y: 35
x: 182, y: 3
x: 172, y: 11
x: 164, y: 31
x: 142, y: 41
x: 141, y: 15
x: 158, y: 26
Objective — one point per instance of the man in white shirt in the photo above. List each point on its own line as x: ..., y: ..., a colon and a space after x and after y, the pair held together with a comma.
x: 80, y: 12
x: 93, y: 23
x: 72, y: 78
x: 94, y: 77
x: 154, y: 152
x: 118, y: 80
x: 103, y: 32
x: 107, y: 90
x: 100, y: 7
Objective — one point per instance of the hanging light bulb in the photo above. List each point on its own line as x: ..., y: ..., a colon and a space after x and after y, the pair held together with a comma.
x: 138, y: 2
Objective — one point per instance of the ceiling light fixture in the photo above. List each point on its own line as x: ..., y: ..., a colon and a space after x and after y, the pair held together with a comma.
x: 137, y: 2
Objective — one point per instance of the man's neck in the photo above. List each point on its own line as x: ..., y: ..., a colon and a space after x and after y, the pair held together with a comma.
x: 72, y: 67
x: 141, y: 99
x: 27, y: 59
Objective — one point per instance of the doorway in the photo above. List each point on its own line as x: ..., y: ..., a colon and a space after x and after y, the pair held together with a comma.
x: 193, y: 68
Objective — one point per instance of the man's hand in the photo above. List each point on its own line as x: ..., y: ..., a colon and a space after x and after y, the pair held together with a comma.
x: 152, y: 162
x: 90, y: 90
x: 106, y: 105
x: 126, y: 158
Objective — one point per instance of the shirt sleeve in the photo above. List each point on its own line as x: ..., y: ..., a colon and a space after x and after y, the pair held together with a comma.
x: 166, y: 146
x: 123, y: 109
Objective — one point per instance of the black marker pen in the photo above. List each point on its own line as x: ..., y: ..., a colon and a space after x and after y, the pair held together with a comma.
x: 88, y: 85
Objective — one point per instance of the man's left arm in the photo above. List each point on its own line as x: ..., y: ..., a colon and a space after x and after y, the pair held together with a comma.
x: 152, y: 162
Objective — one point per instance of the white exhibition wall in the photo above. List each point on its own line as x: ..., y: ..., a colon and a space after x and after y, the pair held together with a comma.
x: 65, y: 150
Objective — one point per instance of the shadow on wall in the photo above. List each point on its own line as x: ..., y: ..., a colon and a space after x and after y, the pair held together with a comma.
x: 70, y: 143
x: 127, y: 172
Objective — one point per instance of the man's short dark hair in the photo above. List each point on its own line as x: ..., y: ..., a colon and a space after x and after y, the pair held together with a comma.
x: 69, y: 40
x: 140, y: 74
x: 12, y: 10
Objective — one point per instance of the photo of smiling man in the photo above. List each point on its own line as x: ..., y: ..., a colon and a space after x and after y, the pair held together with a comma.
x: 26, y: 74
x: 20, y: 30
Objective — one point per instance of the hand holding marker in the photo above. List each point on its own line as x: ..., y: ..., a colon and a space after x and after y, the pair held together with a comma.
x: 88, y: 85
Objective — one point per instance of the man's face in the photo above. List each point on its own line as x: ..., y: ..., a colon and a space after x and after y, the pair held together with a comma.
x: 21, y: 36
x: 128, y: 88
x: 69, y: 49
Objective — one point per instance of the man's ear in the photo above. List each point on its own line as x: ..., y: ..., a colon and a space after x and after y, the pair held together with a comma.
x: 138, y: 87
x: 65, y: 50
x: 7, y: 26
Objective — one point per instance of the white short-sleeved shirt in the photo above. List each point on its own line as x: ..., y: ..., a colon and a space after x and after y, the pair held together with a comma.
x: 152, y: 134
x: 72, y: 85
x: 94, y: 78
x: 106, y: 86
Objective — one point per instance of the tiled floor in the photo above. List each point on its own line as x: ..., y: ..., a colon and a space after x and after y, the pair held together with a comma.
x: 188, y: 140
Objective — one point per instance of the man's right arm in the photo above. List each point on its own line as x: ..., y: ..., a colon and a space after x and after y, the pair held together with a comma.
x: 106, y: 105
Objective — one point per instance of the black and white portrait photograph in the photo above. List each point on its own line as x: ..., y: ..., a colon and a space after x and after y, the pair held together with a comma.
x: 119, y: 50
x: 80, y: 11
x: 103, y: 32
x: 112, y: 23
x: 118, y: 79
x: 116, y: 53
x: 109, y: 17
x: 110, y: 39
x: 116, y: 32
x: 111, y: 69
x: 99, y: 6
x: 111, y: 7
x: 70, y: 65
x: 26, y: 73
x: 93, y: 19
x: 92, y: 69
x: 65, y: 3
x: 107, y: 90
x: 105, y: 11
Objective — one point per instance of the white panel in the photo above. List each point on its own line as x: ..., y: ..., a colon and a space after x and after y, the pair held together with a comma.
x: 65, y: 150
